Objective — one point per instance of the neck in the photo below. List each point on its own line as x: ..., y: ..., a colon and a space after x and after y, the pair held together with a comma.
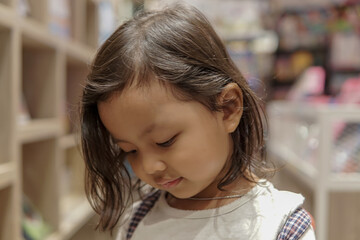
x: 219, y: 198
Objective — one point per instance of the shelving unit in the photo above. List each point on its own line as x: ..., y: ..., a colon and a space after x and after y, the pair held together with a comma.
x: 39, y: 178
x: 41, y: 79
x: 5, y: 56
x: 6, y: 218
x: 310, y: 141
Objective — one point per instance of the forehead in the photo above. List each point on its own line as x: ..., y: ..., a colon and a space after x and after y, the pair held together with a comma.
x: 138, y: 106
x: 133, y: 111
x: 155, y: 93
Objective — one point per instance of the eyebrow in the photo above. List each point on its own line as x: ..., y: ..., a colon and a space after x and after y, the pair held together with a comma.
x: 147, y: 130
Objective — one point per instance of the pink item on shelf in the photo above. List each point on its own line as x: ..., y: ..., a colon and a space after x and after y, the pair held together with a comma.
x: 350, y: 91
x: 311, y: 83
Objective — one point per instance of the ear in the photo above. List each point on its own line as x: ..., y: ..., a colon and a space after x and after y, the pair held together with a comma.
x: 231, y: 102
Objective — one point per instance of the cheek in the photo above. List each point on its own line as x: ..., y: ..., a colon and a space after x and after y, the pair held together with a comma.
x: 200, y: 156
x: 136, y: 167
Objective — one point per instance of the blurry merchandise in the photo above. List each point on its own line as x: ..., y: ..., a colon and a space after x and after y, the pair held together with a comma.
x: 106, y: 20
x: 23, y: 8
x: 288, y: 67
x: 239, y: 24
x: 338, y: 79
x: 59, y: 14
x: 283, y: 69
x: 302, y: 30
x: 311, y: 83
x: 24, y: 115
x: 300, y: 61
x: 33, y: 225
x: 230, y: 18
x: 347, y: 148
x: 240, y: 18
x: 304, y: 141
x: 343, y: 47
x: 325, y: 35
x: 254, y: 63
x: 350, y: 91
x: 243, y: 57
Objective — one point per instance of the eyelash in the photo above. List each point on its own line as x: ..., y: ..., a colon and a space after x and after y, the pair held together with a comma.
x: 168, y: 143
x: 130, y: 152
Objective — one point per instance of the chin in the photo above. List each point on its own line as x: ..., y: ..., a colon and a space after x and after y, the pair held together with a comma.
x: 183, y: 195
x: 180, y: 195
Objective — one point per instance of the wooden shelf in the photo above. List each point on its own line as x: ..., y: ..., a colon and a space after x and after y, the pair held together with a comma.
x: 68, y: 141
x: 7, y: 210
x: 78, y: 53
x: 39, y: 78
x: 6, y: 175
x: 42, y: 73
x: 345, y: 182
x: 7, y: 16
x: 5, y: 2
x: 37, y: 34
x: 38, y: 11
x: 39, y: 178
x: 75, y: 80
x: 5, y: 92
x: 39, y: 129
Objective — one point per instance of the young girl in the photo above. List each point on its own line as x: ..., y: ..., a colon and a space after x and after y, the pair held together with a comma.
x: 164, y: 94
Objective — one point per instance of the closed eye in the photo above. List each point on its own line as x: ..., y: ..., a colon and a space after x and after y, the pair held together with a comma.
x: 130, y: 152
x: 168, y: 143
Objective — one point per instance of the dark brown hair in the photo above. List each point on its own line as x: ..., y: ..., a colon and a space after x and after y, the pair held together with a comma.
x: 178, y: 47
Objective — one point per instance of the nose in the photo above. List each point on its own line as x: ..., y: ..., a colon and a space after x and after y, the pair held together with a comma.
x: 152, y: 164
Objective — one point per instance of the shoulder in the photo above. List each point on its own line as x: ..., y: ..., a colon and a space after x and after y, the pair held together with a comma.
x: 272, y: 208
x: 135, y: 213
x: 276, y: 201
x: 298, y: 225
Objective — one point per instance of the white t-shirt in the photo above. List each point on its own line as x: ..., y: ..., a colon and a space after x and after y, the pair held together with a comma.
x: 260, y: 214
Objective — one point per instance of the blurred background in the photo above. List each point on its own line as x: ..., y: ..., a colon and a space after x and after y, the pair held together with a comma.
x: 302, y: 58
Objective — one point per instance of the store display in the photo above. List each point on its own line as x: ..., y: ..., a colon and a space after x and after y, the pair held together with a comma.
x: 325, y: 35
x: 319, y: 145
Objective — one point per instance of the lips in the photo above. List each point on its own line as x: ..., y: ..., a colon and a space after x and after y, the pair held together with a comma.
x: 166, y: 183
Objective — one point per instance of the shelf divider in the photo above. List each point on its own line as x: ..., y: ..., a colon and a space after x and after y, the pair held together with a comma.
x: 6, y: 174
x: 39, y: 129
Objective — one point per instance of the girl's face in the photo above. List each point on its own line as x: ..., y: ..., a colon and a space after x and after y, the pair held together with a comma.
x: 177, y: 146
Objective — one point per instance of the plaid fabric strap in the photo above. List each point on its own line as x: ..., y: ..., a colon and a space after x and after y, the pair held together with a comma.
x: 295, y: 226
x: 141, y: 212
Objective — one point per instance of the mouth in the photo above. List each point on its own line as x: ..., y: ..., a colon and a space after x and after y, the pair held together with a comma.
x: 166, y: 184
